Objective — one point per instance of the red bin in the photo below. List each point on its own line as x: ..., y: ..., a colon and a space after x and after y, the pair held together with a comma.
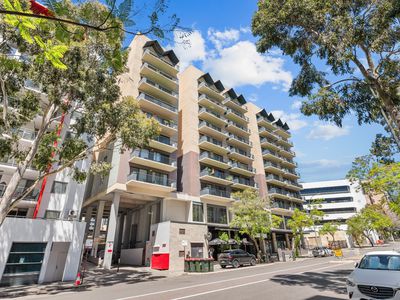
x: 160, y: 261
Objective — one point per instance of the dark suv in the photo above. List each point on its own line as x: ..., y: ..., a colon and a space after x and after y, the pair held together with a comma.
x: 236, y: 258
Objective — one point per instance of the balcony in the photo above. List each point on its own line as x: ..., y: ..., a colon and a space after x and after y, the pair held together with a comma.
x: 288, y: 162
x: 243, y: 183
x: 8, y: 166
x: 239, y: 141
x: 211, y: 116
x: 285, y: 194
x: 168, y: 127
x: 282, y: 132
x: 155, y: 182
x: 212, y: 130
x: 285, y: 142
x: 164, y: 144
x: 160, y: 107
x: 264, y: 122
x: 242, y: 169
x: 159, y: 62
x: 235, y: 104
x: 287, y: 152
x: 207, y: 101
x: 291, y: 174
x: 210, y: 90
x: 214, y: 160
x: 215, y: 195
x: 237, y: 129
x: 150, y: 87
x: 153, y: 160
x: 267, y: 132
x: 272, y: 167
x: 281, y: 208
x: 271, y: 155
x: 31, y: 197
x: 239, y: 154
x: 150, y: 71
x: 26, y: 134
x: 293, y: 185
x: 274, y: 179
x: 270, y: 144
x: 236, y: 116
x: 216, y: 176
x: 209, y: 143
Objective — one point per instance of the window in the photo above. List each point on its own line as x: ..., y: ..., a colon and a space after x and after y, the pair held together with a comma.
x: 59, y: 187
x: 381, y: 262
x: 24, y: 263
x: 182, y: 253
x: 326, y: 190
x: 334, y: 200
x: 216, y: 214
x: 196, y: 250
x: 198, y: 213
x: 182, y: 231
x: 52, y: 214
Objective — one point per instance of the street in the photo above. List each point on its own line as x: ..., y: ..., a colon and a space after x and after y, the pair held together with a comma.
x: 319, y: 278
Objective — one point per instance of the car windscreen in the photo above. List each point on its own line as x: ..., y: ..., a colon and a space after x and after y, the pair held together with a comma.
x: 380, y: 262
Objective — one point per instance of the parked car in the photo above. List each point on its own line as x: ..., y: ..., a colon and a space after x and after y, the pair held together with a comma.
x: 377, y: 276
x: 236, y: 258
x: 321, y: 252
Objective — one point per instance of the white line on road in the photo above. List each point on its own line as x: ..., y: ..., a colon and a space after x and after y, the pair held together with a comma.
x: 216, y: 282
x: 241, y: 285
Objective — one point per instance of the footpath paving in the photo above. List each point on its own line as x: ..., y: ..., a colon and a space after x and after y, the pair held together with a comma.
x: 96, y: 277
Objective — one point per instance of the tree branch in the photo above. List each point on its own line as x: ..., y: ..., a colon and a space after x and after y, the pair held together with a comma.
x: 339, y: 81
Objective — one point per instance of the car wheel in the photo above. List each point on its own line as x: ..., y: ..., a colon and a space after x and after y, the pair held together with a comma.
x: 235, y: 264
x: 223, y: 267
x: 253, y: 262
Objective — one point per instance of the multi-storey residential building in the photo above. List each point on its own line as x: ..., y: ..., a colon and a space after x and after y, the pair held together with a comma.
x: 165, y: 201
x: 339, y: 200
x: 47, y: 247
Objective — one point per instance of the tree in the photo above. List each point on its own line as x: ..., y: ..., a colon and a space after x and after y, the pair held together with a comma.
x: 112, y: 17
x: 87, y: 89
x: 298, y: 223
x: 315, y: 214
x: 251, y: 216
x: 329, y: 228
x: 368, y: 220
x: 358, y: 40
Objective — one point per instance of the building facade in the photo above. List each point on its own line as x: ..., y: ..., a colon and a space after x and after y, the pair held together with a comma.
x: 164, y: 202
x: 339, y: 200
x: 48, y: 247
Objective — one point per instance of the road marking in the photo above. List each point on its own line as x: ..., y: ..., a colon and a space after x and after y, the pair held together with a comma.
x: 216, y: 282
x: 241, y: 285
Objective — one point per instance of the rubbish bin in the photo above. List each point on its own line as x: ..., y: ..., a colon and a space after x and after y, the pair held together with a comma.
x: 199, y: 265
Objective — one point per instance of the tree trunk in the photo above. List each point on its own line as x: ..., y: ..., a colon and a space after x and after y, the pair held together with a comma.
x: 369, y: 239
x: 257, y: 248
x: 7, y: 199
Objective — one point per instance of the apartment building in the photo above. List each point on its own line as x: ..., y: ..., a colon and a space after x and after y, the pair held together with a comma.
x: 339, y: 200
x: 165, y: 201
x: 48, y: 247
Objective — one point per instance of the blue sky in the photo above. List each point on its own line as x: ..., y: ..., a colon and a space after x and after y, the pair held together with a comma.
x: 223, y: 45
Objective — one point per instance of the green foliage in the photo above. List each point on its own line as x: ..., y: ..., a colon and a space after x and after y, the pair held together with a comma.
x: 329, y: 228
x: 297, y: 223
x: 342, y: 35
x: 251, y: 216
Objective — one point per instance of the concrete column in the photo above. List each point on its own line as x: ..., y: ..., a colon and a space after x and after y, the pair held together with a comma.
x: 96, y: 234
x: 127, y: 230
x: 287, y: 240
x: 88, y: 217
x: 111, y: 229
x: 274, y: 242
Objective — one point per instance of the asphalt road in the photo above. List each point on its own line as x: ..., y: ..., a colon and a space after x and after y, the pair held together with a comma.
x: 311, y: 279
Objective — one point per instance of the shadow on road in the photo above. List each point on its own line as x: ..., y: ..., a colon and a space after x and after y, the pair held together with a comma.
x: 323, y: 298
x: 93, y: 278
x: 334, y: 281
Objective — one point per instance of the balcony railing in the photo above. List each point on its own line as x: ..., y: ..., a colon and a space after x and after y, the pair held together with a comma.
x: 32, y: 196
x: 271, y: 164
x: 157, y: 86
x: 155, y: 69
x: 204, y: 96
x: 166, y: 141
x: 154, y: 156
x: 203, y: 109
x: 215, y: 173
x: 13, y: 163
x: 165, y: 122
x: 159, y: 57
x: 151, y: 178
x: 236, y: 164
x: 266, y: 151
x: 238, y: 126
x: 206, y: 154
x: 273, y: 177
x: 158, y: 102
x: 210, y: 140
x: 243, y: 181
x: 204, y: 123
x: 26, y: 134
x: 215, y: 192
x: 243, y: 140
x: 242, y: 116
x: 285, y: 193
x: 205, y: 84
x: 235, y: 101
x: 241, y: 152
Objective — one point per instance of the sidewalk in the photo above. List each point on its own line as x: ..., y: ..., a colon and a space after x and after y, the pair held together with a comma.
x: 94, y: 277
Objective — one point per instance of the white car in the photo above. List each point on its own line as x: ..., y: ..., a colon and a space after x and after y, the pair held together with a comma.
x: 377, y: 276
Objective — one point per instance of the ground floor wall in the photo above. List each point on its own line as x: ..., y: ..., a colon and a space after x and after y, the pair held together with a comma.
x: 54, y: 248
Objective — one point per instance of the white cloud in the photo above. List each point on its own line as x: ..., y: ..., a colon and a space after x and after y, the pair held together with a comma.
x: 296, y: 105
x: 327, y: 131
x: 324, y: 163
x: 293, y: 120
x: 252, y: 97
x: 246, y: 29
x: 189, y: 49
x: 222, y: 38
x: 241, y: 64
